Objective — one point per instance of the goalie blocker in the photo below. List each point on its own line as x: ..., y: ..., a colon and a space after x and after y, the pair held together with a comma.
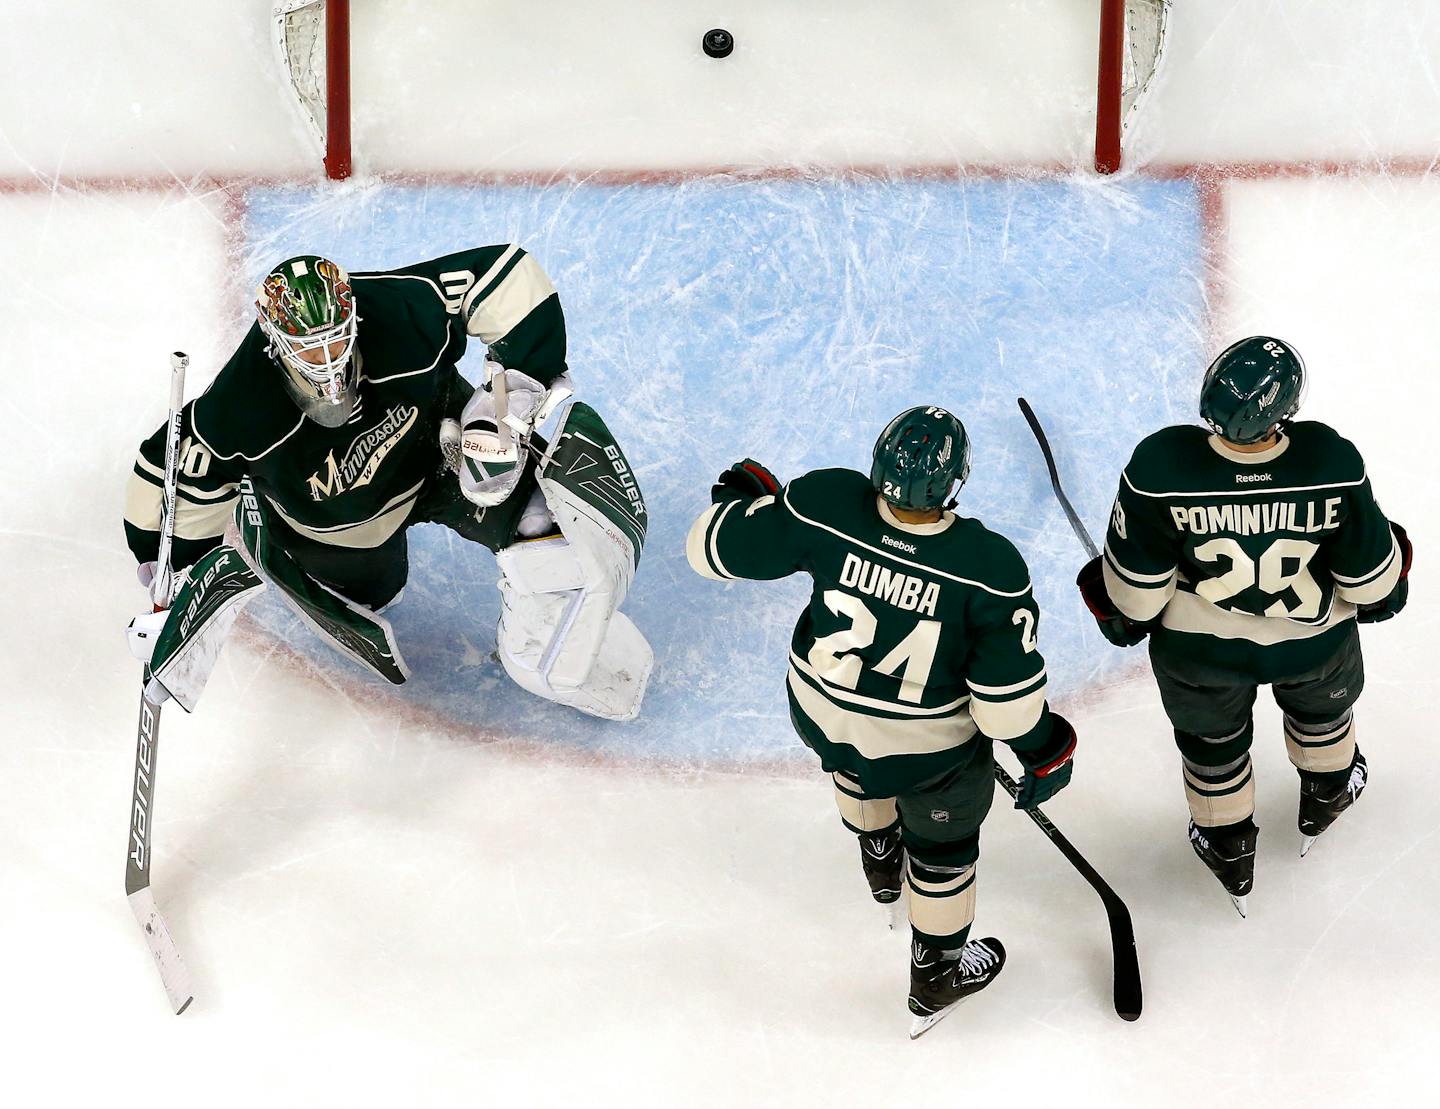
x: 560, y: 635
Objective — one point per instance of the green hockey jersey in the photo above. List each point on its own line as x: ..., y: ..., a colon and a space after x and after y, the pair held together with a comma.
x: 357, y: 484
x: 916, y: 635
x: 1250, y: 561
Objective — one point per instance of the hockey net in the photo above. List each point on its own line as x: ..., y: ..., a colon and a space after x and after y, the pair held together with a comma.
x: 1132, y: 44
x: 313, y: 41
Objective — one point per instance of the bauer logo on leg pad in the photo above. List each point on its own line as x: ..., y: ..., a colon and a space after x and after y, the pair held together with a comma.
x: 587, y: 461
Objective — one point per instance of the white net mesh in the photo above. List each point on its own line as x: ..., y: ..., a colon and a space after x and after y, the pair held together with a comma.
x: 300, y: 39
x: 1144, y: 47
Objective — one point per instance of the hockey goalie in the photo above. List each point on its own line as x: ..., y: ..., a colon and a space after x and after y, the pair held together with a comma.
x: 340, y: 421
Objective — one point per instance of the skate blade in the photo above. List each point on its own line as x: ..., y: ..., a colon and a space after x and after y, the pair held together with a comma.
x: 920, y: 1025
x: 1306, y: 842
x: 896, y: 915
x: 1240, y: 904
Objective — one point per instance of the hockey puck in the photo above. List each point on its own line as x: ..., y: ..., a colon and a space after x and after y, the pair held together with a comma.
x: 718, y: 43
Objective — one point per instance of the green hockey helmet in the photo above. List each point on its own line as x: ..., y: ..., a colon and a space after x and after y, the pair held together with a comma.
x: 1253, y: 386
x: 307, y: 312
x: 920, y: 458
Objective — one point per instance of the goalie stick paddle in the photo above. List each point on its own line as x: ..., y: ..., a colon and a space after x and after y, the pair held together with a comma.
x: 173, y: 973
x: 1070, y: 513
x: 1128, y: 999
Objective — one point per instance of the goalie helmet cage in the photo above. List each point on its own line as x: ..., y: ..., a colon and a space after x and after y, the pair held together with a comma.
x: 313, y: 40
x: 1132, y: 39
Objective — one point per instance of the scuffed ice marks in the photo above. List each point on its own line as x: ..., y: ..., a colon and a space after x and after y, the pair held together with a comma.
x: 788, y: 320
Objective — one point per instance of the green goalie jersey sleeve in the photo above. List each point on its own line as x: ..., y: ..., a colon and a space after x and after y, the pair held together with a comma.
x: 501, y: 296
x: 204, y: 497
x: 916, y: 637
x: 1254, y: 558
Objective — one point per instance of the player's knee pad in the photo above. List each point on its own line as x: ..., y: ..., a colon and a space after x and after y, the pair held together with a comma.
x: 942, y: 900
x: 858, y: 812
x: 1216, y: 750
x: 1219, y: 795
x: 1321, y: 748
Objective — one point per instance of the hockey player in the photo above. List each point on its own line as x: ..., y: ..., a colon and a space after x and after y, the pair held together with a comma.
x: 917, y: 649
x: 1248, y: 555
x: 342, y: 419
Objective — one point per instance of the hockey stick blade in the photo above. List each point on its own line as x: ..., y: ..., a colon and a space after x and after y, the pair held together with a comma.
x: 174, y: 975
x: 1070, y: 514
x: 1128, y: 994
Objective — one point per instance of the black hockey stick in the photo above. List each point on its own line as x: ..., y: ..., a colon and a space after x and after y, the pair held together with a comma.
x: 1122, y: 928
x: 173, y: 973
x: 1128, y: 999
x: 1070, y: 513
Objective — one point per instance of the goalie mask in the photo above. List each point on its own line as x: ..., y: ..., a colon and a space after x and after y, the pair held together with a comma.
x: 307, y: 312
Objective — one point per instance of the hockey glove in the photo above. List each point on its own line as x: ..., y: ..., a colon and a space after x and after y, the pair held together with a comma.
x: 1047, y: 769
x: 1115, y: 626
x: 1380, y: 611
x: 146, y: 572
x: 745, y: 481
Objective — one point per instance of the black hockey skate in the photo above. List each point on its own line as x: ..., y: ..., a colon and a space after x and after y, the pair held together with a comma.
x: 938, y: 984
x: 881, y: 856
x: 1321, y: 802
x: 1229, y: 852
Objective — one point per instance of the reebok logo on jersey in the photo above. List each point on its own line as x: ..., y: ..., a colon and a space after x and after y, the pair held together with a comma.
x: 1246, y: 478
x: 898, y: 544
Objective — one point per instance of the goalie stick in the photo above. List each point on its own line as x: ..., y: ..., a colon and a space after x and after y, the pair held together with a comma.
x: 173, y: 973
x: 1128, y: 994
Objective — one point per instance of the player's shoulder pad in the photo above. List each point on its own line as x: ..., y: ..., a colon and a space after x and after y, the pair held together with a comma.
x: 991, y: 559
x: 1161, y: 453
x: 1313, y: 439
x: 813, y: 494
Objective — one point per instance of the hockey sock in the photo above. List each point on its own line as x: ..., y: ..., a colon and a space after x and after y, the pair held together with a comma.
x: 1321, y: 748
x: 942, y: 903
x: 1220, y: 795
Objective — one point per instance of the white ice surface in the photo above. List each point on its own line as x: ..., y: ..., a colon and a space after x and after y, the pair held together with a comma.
x: 378, y: 912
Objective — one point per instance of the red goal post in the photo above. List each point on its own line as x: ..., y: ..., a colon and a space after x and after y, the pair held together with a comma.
x: 1132, y: 42
x: 313, y: 41
x: 312, y: 38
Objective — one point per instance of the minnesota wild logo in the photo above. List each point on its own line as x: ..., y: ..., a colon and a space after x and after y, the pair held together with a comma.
x: 357, y: 466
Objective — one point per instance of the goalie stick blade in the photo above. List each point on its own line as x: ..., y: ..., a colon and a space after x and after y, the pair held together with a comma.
x: 174, y: 975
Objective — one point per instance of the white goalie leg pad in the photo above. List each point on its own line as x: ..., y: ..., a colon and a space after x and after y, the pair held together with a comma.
x: 560, y: 636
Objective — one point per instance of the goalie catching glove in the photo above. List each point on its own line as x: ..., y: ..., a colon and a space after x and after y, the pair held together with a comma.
x: 495, y: 430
